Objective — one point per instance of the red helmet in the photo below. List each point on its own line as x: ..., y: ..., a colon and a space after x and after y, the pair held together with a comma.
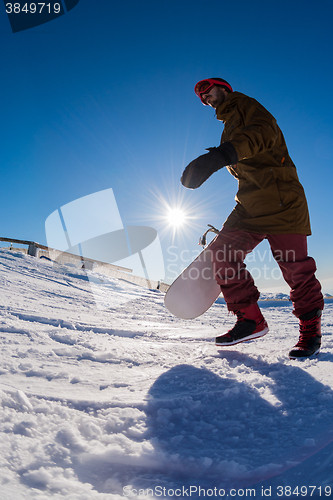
x: 205, y: 85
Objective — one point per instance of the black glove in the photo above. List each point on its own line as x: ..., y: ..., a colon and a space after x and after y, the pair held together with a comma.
x: 198, y: 171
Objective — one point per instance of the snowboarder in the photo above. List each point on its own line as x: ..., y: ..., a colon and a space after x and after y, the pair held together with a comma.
x: 271, y: 205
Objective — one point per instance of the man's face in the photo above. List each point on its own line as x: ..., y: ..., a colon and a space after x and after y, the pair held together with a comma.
x: 215, y: 96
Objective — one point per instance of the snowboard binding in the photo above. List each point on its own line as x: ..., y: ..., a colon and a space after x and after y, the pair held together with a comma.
x: 203, y: 238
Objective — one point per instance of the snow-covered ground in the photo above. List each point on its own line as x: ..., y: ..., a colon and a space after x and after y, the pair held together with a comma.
x: 130, y: 402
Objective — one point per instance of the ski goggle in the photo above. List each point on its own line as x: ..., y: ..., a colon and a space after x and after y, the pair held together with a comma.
x: 205, y: 86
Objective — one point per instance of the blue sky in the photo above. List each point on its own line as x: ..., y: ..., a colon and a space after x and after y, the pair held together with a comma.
x: 103, y: 98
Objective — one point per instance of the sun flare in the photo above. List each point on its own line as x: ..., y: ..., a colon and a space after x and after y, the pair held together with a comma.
x: 177, y: 214
x: 176, y: 217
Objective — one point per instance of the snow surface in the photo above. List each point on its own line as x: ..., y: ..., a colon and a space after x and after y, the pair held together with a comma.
x: 94, y: 401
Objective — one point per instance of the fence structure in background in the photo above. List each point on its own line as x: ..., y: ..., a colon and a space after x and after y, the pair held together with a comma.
x: 113, y: 271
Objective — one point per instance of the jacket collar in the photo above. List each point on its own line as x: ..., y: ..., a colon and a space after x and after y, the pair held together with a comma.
x: 227, y: 108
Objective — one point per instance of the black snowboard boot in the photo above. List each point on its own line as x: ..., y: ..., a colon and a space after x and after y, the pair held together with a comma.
x: 250, y: 325
x: 310, y: 335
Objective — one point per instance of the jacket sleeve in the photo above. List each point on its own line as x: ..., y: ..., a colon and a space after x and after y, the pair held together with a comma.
x: 257, y: 132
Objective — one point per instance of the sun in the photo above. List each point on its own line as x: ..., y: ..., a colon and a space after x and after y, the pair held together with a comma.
x: 176, y: 217
x: 178, y: 214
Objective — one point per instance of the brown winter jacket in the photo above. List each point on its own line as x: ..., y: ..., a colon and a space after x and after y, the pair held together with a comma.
x: 270, y: 198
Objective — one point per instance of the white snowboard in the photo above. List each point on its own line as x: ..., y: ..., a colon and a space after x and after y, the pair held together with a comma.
x: 195, y: 289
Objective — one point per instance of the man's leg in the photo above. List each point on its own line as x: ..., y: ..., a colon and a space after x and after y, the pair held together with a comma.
x: 229, y: 250
x: 298, y: 269
x: 228, y: 253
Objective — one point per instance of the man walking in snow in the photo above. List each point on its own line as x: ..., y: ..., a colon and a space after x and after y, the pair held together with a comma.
x: 271, y: 205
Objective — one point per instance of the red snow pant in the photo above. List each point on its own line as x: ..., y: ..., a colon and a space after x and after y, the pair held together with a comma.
x: 229, y: 250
